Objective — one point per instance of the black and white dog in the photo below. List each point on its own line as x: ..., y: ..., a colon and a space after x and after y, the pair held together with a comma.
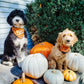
x: 15, y: 46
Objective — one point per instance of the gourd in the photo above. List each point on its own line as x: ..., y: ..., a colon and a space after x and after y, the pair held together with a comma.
x: 69, y: 75
x: 53, y: 76
x: 75, y: 62
x: 43, y: 48
x: 23, y: 80
x: 35, y: 65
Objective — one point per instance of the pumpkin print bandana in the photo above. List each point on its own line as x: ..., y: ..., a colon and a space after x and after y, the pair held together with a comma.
x: 19, y: 32
x: 64, y: 48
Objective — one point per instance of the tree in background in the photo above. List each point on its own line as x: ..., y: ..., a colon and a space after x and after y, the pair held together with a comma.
x: 53, y: 16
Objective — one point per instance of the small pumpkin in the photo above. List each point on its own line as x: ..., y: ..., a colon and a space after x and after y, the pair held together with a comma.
x: 23, y: 80
x: 69, y: 75
x: 35, y: 65
x: 53, y: 76
x: 75, y: 62
x: 43, y: 48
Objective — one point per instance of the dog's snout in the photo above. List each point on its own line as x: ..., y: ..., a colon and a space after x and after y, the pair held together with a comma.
x: 17, y: 20
x: 68, y: 40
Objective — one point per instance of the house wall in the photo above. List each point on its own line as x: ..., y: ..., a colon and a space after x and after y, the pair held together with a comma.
x: 6, y: 6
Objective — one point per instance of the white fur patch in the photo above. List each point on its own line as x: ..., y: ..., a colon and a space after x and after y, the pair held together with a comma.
x: 7, y: 63
x: 17, y: 24
x: 20, y: 42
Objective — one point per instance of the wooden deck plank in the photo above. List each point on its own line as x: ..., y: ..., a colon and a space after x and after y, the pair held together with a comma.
x: 9, y: 74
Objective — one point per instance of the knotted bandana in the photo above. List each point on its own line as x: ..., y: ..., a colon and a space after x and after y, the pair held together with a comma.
x: 64, y: 48
x: 19, y: 32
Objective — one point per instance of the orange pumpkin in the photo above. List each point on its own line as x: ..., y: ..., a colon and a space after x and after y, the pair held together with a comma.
x: 23, y: 80
x: 43, y: 48
x: 64, y: 48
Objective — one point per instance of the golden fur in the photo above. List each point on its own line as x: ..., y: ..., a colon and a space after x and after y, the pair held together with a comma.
x: 56, y: 58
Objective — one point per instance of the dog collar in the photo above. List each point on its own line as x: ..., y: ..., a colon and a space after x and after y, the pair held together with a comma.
x: 19, y: 32
x: 64, y: 49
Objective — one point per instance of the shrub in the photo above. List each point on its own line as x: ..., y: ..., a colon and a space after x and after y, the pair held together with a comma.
x: 53, y: 16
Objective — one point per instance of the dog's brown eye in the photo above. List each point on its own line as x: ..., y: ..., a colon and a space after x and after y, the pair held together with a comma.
x: 70, y: 35
x: 64, y: 35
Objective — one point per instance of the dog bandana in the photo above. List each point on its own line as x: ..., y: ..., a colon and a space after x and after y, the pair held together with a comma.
x: 19, y: 32
x: 64, y: 49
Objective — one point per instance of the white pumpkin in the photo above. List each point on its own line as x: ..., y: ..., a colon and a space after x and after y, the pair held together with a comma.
x: 75, y: 62
x: 53, y: 76
x: 34, y: 65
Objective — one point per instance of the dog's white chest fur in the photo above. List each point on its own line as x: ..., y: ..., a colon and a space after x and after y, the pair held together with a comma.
x: 20, y: 42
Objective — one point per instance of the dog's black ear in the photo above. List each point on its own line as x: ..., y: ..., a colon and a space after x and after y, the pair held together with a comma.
x: 9, y: 20
x: 25, y: 20
x: 11, y: 16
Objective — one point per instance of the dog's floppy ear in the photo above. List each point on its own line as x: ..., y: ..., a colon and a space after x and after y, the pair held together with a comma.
x: 9, y: 20
x: 59, y: 39
x: 25, y: 20
x: 66, y: 29
x: 75, y: 39
x: 23, y: 15
x: 10, y: 17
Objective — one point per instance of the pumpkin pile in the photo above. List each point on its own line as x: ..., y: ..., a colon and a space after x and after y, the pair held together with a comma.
x: 35, y: 65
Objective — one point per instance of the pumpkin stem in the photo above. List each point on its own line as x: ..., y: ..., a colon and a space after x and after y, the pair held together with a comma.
x: 41, y: 43
x: 23, y: 77
x: 75, y: 54
x: 53, y: 71
x: 69, y: 71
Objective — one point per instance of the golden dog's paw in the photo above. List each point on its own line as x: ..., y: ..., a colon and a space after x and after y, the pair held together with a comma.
x: 52, y: 64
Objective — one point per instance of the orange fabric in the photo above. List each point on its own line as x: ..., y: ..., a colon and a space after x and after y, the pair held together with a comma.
x: 19, y: 32
x: 64, y: 48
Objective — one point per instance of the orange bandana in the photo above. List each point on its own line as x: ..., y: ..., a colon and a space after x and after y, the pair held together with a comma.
x: 64, y: 48
x: 19, y: 32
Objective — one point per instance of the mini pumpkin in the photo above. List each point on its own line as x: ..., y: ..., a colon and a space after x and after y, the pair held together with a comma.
x: 43, y: 48
x: 23, y: 80
x: 53, y: 76
x: 69, y: 75
x: 75, y: 62
x: 35, y: 65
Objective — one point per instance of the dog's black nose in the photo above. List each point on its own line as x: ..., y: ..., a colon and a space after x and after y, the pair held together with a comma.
x: 68, y: 40
x: 17, y: 20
